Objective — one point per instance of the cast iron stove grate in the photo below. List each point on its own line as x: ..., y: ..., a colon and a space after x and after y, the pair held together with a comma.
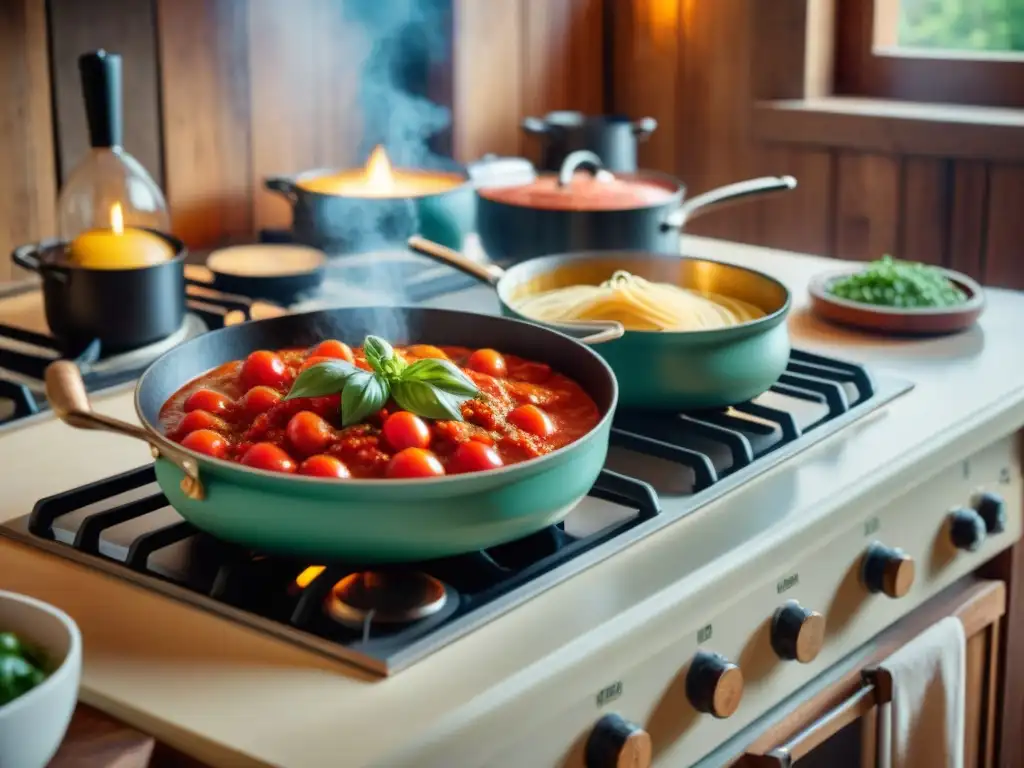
x: 124, y: 526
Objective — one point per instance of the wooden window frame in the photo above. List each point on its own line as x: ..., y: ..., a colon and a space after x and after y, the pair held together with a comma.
x: 794, y: 65
x: 869, y: 63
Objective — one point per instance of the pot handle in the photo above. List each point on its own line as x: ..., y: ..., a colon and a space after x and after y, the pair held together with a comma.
x: 597, y: 331
x: 534, y: 126
x: 66, y: 393
x: 582, y: 158
x: 727, y: 195
x: 485, y: 273
x: 644, y: 127
x: 27, y: 257
x: 283, y: 186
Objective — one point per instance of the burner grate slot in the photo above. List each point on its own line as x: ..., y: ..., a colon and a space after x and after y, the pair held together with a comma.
x: 735, y: 441
x: 704, y: 471
x: 800, y: 393
x: 47, y: 510
x: 628, y: 491
x: 785, y: 420
x: 850, y: 372
x: 834, y: 393
x: 87, y: 538
x: 148, y: 543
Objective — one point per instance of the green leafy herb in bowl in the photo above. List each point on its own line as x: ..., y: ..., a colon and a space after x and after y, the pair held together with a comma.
x: 22, y: 667
x: 889, y: 282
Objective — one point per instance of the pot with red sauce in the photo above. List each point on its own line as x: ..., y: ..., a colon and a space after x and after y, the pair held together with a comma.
x: 584, y: 207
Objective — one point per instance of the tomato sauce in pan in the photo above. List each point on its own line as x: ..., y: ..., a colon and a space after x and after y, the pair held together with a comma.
x: 236, y: 412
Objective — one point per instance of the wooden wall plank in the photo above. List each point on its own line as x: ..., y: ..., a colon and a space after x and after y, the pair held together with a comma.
x: 800, y: 220
x: 925, y: 207
x: 304, y: 64
x: 27, y: 173
x: 868, y: 205
x: 1004, y: 241
x: 487, y: 78
x: 968, y: 217
x: 126, y: 27
x: 206, y: 125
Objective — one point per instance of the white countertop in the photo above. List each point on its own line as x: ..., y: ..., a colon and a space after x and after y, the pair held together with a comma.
x: 233, y: 697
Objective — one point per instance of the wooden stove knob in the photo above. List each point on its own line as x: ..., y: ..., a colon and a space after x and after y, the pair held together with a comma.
x: 888, y: 570
x: 617, y: 743
x: 714, y: 684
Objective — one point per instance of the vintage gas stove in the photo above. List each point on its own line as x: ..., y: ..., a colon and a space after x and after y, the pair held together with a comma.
x: 649, y: 617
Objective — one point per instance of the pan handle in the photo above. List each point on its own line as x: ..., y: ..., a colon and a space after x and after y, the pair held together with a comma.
x: 66, y: 392
x: 582, y: 158
x: 644, y: 127
x: 597, y: 331
x: 283, y: 186
x: 727, y: 195
x: 485, y: 273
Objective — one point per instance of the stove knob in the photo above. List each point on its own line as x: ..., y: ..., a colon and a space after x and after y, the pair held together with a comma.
x: 797, y: 633
x: 966, y: 529
x: 992, y: 509
x: 887, y: 570
x: 714, y: 684
x: 617, y: 743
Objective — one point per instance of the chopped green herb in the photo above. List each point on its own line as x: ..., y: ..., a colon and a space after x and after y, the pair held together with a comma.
x: 903, y: 284
x: 21, y: 668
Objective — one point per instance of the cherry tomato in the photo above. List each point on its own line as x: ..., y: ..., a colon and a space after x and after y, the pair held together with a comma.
x: 266, y: 368
x: 268, y: 456
x: 207, y: 400
x: 488, y: 361
x: 200, y: 420
x: 323, y: 466
x: 316, y: 360
x: 308, y: 433
x: 206, y: 441
x: 414, y: 462
x: 260, y: 399
x: 406, y: 430
x: 473, y: 456
x: 532, y: 419
x: 332, y: 348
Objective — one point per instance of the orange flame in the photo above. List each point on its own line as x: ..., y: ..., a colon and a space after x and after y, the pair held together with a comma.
x: 117, y: 219
x: 378, y: 175
x: 305, y: 578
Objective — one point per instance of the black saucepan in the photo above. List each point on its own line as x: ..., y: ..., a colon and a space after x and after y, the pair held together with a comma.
x: 586, y: 208
x: 362, y: 521
x: 613, y: 138
x: 273, y: 272
x: 123, y: 308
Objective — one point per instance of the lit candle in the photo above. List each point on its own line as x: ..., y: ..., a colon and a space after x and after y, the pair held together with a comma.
x: 379, y: 180
x: 119, y: 248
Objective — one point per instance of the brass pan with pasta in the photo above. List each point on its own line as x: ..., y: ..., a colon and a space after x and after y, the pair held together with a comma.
x: 697, y: 333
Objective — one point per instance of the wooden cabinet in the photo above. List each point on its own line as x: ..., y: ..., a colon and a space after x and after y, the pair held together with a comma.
x: 836, y: 724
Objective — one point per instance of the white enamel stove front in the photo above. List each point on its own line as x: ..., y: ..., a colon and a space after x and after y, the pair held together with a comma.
x: 675, y: 689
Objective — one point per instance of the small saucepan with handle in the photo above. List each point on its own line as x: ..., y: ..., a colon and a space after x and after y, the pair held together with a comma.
x: 584, y: 207
x: 671, y: 370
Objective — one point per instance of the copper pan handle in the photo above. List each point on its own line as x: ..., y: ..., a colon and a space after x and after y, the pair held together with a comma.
x: 67, y: 395
x: 485, y: 273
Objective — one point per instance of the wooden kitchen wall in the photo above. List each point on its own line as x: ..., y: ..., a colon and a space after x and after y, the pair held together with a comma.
x: 688, y: 64
x: 220, y: 93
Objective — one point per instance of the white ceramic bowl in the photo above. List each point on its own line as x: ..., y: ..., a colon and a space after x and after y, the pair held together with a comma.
x: 32, y: 726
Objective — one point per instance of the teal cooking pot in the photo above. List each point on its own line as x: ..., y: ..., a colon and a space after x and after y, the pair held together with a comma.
x: 679, y: 371
x: 362, y: 521
x: 439, y: 205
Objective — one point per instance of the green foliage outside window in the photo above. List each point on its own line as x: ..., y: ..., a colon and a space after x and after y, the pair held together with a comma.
x: 963, y: 25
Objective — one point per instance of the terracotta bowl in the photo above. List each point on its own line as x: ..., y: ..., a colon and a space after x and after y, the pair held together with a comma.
x: 909, y: 321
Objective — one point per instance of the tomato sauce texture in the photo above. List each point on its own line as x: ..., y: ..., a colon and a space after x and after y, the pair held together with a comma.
x: 236, y: 413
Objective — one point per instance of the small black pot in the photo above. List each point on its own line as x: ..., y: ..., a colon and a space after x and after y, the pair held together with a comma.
x: 511, y: 232
x: 123, y: 308
x: 613, y: 138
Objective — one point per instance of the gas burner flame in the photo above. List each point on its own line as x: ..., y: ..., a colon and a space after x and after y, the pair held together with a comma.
x: 378, y: 173
x: 307, y: 577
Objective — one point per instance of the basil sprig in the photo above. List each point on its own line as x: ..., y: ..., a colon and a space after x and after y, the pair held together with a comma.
x: 431, y: 388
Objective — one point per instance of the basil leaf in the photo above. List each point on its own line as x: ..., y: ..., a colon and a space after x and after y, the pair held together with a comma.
x: 364, y: 394
x: 427, y: 400
x: 442, y: 375
x: 377, y: 351
x: 327, y: 378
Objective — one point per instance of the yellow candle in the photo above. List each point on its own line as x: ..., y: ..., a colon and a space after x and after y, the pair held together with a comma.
x: 119, y: 248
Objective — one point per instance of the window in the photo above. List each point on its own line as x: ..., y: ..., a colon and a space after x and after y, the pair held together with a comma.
x: 953, y: 51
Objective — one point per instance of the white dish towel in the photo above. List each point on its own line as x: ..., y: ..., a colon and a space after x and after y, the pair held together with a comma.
x: 923, y: 727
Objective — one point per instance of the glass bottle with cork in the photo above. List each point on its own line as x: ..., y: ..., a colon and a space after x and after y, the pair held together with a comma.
x: 110, y: 210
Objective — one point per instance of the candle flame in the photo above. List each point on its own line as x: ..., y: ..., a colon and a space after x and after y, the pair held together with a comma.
x: 377, y: 174
x: 117, y: 219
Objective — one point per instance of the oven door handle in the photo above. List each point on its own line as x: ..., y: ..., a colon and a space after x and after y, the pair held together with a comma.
x: 875, y: 691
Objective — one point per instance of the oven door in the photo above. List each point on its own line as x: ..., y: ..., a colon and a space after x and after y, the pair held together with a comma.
x: 837, y: 726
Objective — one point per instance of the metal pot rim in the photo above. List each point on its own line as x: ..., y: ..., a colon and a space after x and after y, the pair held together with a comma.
x: 677, y: 190
x: 519, y: 468
x: 46, y: 248
x: 295, y: 180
